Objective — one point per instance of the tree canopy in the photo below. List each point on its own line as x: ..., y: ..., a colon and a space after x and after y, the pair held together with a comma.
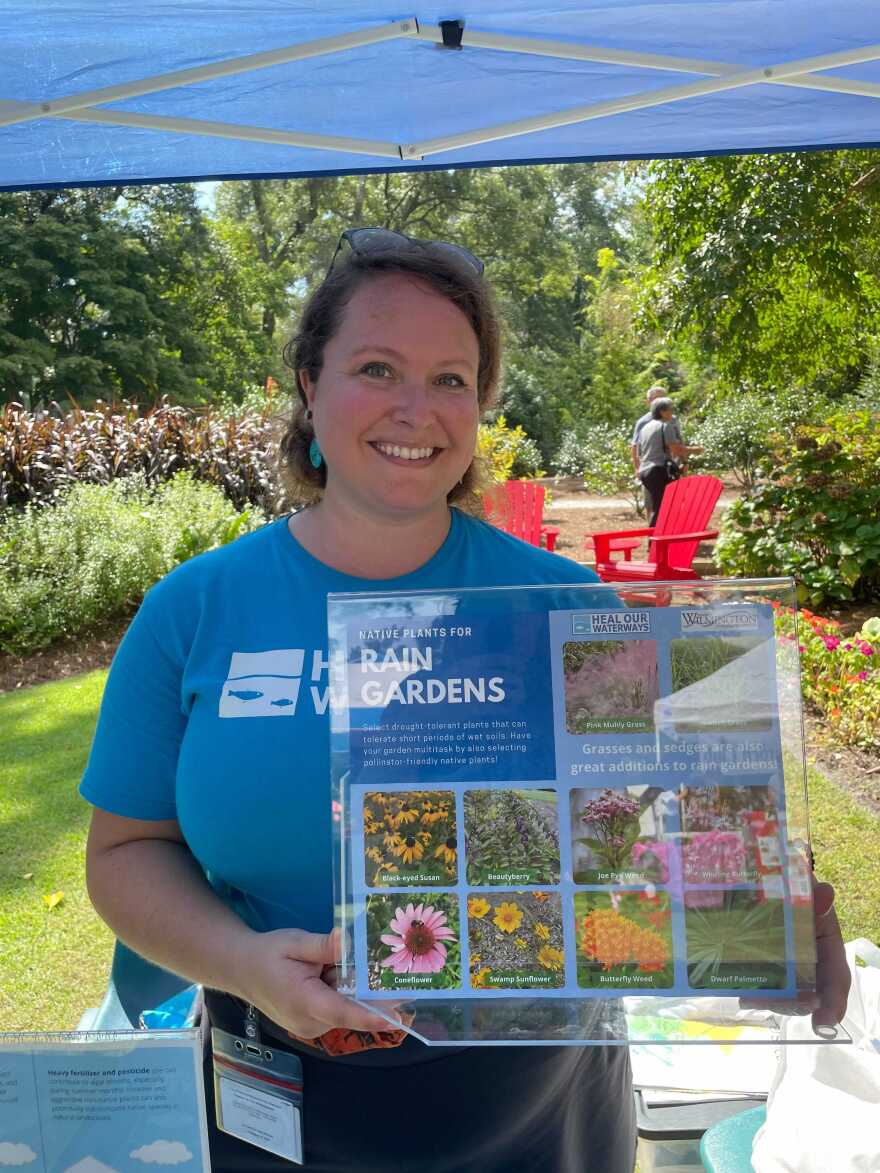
x: 769, y: 264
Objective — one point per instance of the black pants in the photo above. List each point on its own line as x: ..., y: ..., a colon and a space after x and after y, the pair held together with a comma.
x: 492, y: 1109
x: 655, y: 481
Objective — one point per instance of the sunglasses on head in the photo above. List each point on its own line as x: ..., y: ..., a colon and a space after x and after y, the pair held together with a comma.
x: 363, y: 241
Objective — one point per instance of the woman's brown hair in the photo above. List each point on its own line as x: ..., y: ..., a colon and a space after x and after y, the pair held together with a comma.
x: 320, y: 320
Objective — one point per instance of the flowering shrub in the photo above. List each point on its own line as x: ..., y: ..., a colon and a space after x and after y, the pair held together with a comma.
x: 715, y: 856
x: 815, y: 514
x: 614, y: 821
x: 508, y: 452
x: 511, y: 831
x: 840, y: 674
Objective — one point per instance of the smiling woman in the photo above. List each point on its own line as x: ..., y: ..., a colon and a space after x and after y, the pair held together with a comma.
x: 396, y: 356
x: 211, y: 756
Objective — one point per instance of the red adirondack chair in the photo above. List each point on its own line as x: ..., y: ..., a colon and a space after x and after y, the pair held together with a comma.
x: 672, y: 542
x: 517, y: 507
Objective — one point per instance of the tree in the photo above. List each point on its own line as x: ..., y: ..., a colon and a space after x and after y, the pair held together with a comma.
x: 537, y: 229
x: 118, y: 292
x: 769, y: 264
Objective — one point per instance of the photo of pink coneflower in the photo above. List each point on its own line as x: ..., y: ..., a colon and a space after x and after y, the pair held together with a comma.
x: 423, y: 944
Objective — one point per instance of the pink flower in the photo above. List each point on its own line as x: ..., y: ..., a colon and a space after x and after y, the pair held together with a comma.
x: 847, y: 647
x: 418, y: 947
x: 831, y: 642
x: 863, y: 676
x: 866, y: 650
x: 801, y: 648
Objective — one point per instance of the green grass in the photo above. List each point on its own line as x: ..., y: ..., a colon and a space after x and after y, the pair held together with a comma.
x: 54, y: 963
x: 846, y: 844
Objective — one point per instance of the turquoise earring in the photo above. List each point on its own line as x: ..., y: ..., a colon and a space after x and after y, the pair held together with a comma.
x: 316, y: 457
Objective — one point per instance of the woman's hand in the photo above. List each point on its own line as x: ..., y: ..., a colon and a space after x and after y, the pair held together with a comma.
x: 832, y: 971
x: 282, y: 973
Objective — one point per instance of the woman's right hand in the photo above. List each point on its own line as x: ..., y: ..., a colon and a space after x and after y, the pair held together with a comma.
x: 281, y: 973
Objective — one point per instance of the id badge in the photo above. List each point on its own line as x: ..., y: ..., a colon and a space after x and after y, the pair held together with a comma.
x: 258, y: 1094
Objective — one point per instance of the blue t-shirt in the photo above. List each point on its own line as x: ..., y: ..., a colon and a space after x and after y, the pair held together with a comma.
x: 216, y: 710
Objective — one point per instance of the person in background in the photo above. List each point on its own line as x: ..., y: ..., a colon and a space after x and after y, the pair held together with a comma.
x: 653, y: 393
x: 659, y: 445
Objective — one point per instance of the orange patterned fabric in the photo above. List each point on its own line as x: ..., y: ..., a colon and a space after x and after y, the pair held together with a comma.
x: 341, y: 1041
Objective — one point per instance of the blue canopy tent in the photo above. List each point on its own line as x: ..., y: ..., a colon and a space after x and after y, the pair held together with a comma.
x: 107, y: 91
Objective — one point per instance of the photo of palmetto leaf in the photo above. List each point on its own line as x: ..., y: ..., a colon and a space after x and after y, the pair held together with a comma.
x: 739, y: 942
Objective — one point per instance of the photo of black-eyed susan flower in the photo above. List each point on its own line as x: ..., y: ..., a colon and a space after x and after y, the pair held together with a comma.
x: 410, y: 839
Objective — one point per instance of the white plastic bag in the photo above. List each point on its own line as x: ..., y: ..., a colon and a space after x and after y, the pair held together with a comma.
x: 823, y: 1110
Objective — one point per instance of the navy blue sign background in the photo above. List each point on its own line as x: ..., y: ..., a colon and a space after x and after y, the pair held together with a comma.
x: 464, y: 735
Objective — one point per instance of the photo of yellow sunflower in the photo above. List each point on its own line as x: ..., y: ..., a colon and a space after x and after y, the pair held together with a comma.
x: 515, y: 940
x: 508, y: 917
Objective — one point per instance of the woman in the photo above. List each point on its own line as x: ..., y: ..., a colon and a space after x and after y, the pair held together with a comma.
x: 210, y: 848
x: 659, y: 443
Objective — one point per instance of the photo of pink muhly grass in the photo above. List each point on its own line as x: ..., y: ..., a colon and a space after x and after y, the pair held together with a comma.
x: 610, y: 679
x: 418, y: 945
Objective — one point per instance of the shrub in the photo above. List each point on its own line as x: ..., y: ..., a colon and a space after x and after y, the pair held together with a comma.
x: 601, y: 454
x: 43, y: 454
x: 840, y: 674
x: 817, y: 515
x: 508, y: 452
x: 736, y: 433
x: 66, y: 569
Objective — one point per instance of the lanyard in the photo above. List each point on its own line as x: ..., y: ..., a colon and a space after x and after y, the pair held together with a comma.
x: 252, y: 1023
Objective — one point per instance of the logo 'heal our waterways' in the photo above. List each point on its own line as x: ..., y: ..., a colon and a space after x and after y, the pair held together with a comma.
x: 611, y: 623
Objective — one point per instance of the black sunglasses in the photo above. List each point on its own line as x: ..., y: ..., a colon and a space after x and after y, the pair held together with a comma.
x: 363, y: 241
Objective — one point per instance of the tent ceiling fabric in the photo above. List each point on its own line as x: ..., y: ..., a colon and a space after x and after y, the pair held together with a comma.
x: 114, y: 92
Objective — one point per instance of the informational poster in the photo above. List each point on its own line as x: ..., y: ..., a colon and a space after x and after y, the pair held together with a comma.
x: 543, y: 799
x: 102, y: 1102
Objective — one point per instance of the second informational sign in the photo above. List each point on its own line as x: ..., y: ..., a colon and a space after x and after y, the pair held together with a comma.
x: 548, y: 794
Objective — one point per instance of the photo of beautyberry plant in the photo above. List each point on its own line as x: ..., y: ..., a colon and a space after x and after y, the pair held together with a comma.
x: 515, y: 940
x: 413, y: 941
x: 739, y: 696
x: 737, y: 941
x: 621, y: 836
x: 611, y: 685
x: 511, y: 837
x: 623, y: 939
x: 410, y: 838
x: 730, y: 835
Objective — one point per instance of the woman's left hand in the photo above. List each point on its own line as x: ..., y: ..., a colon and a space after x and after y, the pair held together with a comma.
x: 827, y: 1002
x: 832, y: 971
